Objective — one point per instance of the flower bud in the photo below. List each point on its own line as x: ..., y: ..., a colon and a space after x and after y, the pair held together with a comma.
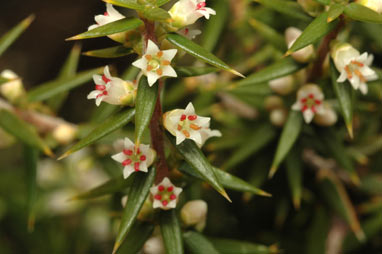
x: 327, y: 117
x: 187, y: 12
x: 312, y: 7
x: 375, y: 5
x: 273, y: 102
x: 12, y: 90
x: 65, y: 133
x: 194, y: 213
x: 303, y: 55
x: 154, y: 245
x: 283, y: 85
x: 278, y: 116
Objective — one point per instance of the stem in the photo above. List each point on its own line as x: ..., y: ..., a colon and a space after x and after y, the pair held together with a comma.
x: 157, y: 139
x: 323, y: 50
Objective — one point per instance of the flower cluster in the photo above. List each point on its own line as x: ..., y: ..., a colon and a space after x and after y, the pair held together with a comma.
x: 187, y: 12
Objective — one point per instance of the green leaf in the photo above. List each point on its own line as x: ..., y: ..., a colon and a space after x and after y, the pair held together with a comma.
x: 270, y: 34
x: 115, y: 27
x: 184, y: 72
x: 226, y: 179
x: 113, y: 52
x: 372, y: 184
x: 68, y: 70
x: 138, y: 194
x: 259, y: 138
x: 335, y: 10
x: 52, y: 88
x: 30, y: 159
x: 113, y: 123
x: 136, y: 238
x: 22, y: 131
x: 145, y: 105
x: 279, y: 69
x: 171, y: 232
x: 155, y: 14
x: 362, y: 13
x: 294, y: 168
x: 313, y: 32
x: 290, y: 8
x: 131, y: 4
x: 288, y: 137
x: 109, y: 187
x: 215, y: 25
x: 197, y: 51
x: 317, y: 233
x: 162, y: 2
x: 343, y: 92
x: 7, y: 39
x: 196, y: 243
x: 231, y: 246
x: 195, y: 158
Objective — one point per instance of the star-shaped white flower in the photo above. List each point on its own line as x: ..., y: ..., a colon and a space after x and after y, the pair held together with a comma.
x: 309, y: 101
x: 134, y: 159
x: 189, y: 33
x: 353, y: 66
x: 165, y: 195
x: 187, y: 12
x: 184, y: 123
x: 109, y: 16
x: 112, y: 90
x: 156, y: 63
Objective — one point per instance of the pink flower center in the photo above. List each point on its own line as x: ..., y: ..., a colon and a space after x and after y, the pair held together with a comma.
x: 133, y: 157
x: 199, y: 6
x: 106, y: 13
x: 166, y: 194
x: 105, y: 79
x: 310, y: 103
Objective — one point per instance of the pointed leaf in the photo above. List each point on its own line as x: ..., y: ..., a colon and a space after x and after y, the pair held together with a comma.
x: 231, y: 246
x: 145, y: 104
x: 184, y: 72
x: 199, y: 52
x: 294, y: 167
x: 228, y: 180
x: 279, y: 69
x: 270, y: 34
x: 113, y: 52
x: 109, y: 187
x: 131, y: 4
x: 317, y: 234
x: 52, y: 88
x: 115, y: 27
x: 197, y: 243
x: 155, y: 14
x: 138, y: 194
x: 136, y: 238
x: 171, y: 232
x: 113, y: 123
x: 343, y: 92
x: 162, y: 2
x: 259, y: 138
x: 289, y: 8
x: 313, y: 32
x: 7, y: 39
x: 362, y: 13
x: 195, y: 158
x: 22, y: 131
x: 30, y: 159
x: 335, y: 10
x: 288, y: 137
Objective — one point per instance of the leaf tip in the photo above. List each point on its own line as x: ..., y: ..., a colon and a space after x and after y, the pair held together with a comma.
x: 225, y: 195
x: 265, y: 194
x: 296, y: 203
x: 73, y: 38
x: 66, y: 154
x: 272, y: 171
x: 289, y: 52
x: 329, y: 19
x: 116, y: 247
x: 48, y: 152
x: 27, y: 21
x: 236, y: 73
x: 350, y: 130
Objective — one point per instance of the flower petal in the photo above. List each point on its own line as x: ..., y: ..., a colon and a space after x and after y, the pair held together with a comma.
x: 168, y: 71
x: 152, y: 48
x: 120, y: 157
x: 169, y: 54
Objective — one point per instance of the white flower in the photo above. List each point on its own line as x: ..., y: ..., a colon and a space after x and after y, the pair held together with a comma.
x: 194, y: 213
x: 165, y: 194
x: 13, y: 89
x: 375, y: 5
x: 189, y: 33
x: 302, y: 55
x: 134, y: 158
x: 353, y: 66
x: 187, y: 12
x: 309, y: 101
x: 109, y: 16
x: 113, y: 90
x: 184, y: 123
x: 156, y: 63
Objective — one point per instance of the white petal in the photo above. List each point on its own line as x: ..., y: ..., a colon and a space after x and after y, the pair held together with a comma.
x: 179, y: 137
x: 140, y: 63
x: 342, y: 77
x: 297, y: 106
x: 362, y: 58
x: 171, y: 204
x: 177, y: 191
x: 120, y: 157
x: 152, y: 77
x: 308, y: 115
x: 106, y: 71
x: 190, y: 110
x: 157, y: 204
x: 369, y: 60
x: 195, y: 135
x: 99, y: 100
x: 113, y: 12
x: 127, y: 171
x: 128, y: 144
x: 363, y: 88
x: 169, y: 54
x: 98, y: 80
x: 93, y: 94
x: 152, y: 48
x: 169, y: 71
x: 355, y: 82
x: 154, y: 190
x: 92, y: 27
x: 166, y: 182
x: 203, y: 121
